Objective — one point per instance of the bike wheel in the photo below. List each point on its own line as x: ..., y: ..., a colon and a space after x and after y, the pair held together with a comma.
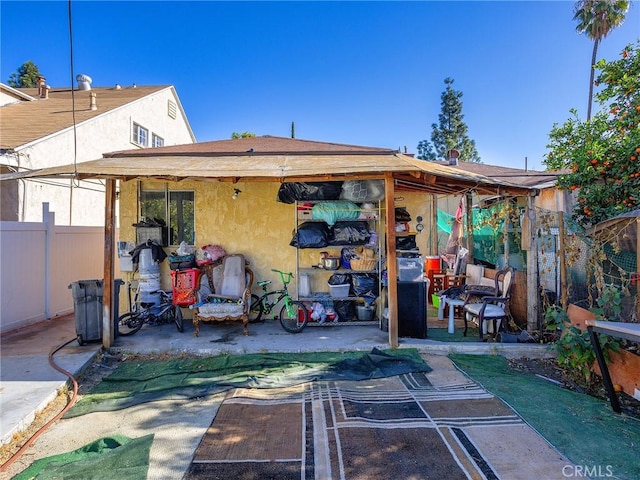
x: 256, y: 310
x: 296, y: 322
x: 177, y: 317
x: 129, y: 323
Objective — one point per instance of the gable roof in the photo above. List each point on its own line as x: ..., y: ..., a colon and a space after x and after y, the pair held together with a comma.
x: 263, y: 145
x: 278, y: 159
x: 27, y: 121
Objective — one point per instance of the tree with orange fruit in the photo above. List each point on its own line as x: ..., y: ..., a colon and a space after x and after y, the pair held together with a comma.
x: 603, y: 153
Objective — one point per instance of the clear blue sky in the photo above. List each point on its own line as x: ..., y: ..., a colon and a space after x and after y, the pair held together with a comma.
x: 364, y: 73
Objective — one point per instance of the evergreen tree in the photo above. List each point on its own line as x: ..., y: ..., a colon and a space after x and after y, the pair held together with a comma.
x: 451, y: 132
x: 25, y: 77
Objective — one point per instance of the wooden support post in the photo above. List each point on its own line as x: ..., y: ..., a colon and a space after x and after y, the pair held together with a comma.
x: 469, y: 201
x: 532, y: 271
x: 564, y: 286
x: 392, y: 283
x: 433, y: 248
x: 108, y: 333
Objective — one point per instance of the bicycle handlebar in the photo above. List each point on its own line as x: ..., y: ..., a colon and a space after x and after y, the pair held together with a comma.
x: 282, y: 274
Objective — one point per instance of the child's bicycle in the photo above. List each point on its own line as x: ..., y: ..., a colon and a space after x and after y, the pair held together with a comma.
x: 293, y: 314
x: 130, y: 322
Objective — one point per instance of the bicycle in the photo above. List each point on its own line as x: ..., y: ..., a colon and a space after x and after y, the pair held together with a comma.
x: 293, y: 314
x: 130, y: 322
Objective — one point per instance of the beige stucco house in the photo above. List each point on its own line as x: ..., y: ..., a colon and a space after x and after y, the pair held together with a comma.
x: 47, y: 127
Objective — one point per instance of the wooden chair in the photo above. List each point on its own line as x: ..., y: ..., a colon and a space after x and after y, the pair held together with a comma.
x: 493, y: 306
x: 230, y: 283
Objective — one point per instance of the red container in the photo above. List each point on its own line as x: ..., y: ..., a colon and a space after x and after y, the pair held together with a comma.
x: 431, y: 263
x: 185, y: 284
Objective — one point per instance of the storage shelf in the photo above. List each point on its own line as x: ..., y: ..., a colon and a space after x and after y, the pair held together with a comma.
x: 339, y: 270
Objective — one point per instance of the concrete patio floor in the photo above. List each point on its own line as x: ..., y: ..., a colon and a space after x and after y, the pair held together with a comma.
x: 29, y: 382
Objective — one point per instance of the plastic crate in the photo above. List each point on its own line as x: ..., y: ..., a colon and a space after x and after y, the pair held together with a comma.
x: 185, y: 284
x: 158, y: 234
x: 339, y: 291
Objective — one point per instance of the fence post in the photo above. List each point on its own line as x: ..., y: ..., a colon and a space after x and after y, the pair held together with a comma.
x: 49, y: 223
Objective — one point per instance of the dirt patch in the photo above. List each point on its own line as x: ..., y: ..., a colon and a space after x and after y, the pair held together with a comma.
x: 549, y: 370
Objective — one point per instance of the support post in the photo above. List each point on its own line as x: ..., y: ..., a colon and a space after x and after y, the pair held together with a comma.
x: 392, y: 285
x: 108, y: 334
x: 532, y: 271
x: 469, y: 201
x: 49, y: 222
x: 564, y: 294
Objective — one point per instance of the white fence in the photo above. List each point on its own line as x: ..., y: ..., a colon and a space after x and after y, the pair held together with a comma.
x: 38, y: 262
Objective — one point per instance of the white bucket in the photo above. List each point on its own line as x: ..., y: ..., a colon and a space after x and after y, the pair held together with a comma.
x: 305, y: 285
x: 146, y: 263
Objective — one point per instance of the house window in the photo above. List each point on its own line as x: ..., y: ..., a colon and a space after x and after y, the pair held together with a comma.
x: 157, y: 141
x: 176, y: 208
x: 139, y: 135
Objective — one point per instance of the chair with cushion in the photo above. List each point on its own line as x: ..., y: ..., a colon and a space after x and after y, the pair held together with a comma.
x: 230, y: 285
x: 489, y: 308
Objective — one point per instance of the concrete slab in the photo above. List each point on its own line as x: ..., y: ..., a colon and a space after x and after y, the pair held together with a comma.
x: 29, y: 382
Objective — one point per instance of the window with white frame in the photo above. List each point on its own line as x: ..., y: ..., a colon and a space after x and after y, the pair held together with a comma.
x: 139, y: 135
x: 176, y: 208
x: 157, y: 141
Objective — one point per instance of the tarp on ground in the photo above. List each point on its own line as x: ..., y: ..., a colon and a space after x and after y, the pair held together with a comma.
x: 134, y: 382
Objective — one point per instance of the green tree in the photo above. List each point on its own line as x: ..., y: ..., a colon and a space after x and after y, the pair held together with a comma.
x: 235, y: 135
x: 25, y: 77
x: 451, y: 132
x: 596, y: 18
x: 602, y: 153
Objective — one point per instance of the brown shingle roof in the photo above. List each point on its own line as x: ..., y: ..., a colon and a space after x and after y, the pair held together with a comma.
x: 264, y: 145
x: 27, y: 121
x: 526, y: 178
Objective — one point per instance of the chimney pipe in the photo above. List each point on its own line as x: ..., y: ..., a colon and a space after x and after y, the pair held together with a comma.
x: 41, y: 86
x: 452, y: 156
x: 92, y: 102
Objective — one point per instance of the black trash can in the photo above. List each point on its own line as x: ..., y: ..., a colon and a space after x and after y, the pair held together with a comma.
x: 87, y: 300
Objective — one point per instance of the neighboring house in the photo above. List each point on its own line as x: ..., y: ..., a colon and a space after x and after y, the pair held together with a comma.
x: 47, y: 127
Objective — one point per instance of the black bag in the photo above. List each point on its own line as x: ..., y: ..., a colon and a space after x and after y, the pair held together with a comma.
x: 290, y: 192
x: 339, y: 279
x: 350, y: 233
x: 345, y: 309
x: 365, y: 285
x: 311, y: 235
x: 402, y: 215
x: 406, y: 243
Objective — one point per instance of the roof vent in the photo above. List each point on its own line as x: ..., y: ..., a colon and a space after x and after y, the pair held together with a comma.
x: 84, y: 82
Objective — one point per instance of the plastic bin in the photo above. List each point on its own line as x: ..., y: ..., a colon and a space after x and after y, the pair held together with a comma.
x: 410, y: 269
x: 87, y: 305
x: 339, y: 291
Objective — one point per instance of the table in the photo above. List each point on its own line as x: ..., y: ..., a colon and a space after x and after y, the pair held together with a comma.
x: 452, y: 302
x: 628, y: 331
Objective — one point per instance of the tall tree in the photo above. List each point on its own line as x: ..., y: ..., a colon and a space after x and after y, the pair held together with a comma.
x: 26, y: 76
x: 596, y: 19
x: 451, y: 132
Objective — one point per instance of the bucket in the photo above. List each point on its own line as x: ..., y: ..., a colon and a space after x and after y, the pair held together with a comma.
x: 431, y: 263
x: 364, y: 312
x: 305, y: 286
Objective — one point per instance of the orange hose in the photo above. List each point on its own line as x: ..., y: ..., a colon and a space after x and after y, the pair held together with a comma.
x: 28, y: 443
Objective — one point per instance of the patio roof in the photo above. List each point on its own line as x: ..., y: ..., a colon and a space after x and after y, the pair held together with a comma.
x: 278, y: 159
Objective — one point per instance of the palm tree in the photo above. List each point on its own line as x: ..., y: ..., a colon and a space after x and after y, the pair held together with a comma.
x: 596, y: 18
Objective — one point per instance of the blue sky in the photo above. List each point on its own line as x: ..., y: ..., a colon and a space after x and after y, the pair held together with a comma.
x: 363, y: 73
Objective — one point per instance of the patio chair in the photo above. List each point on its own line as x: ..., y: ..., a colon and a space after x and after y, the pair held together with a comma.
x: 230, y: 283
x: 492, y: 306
